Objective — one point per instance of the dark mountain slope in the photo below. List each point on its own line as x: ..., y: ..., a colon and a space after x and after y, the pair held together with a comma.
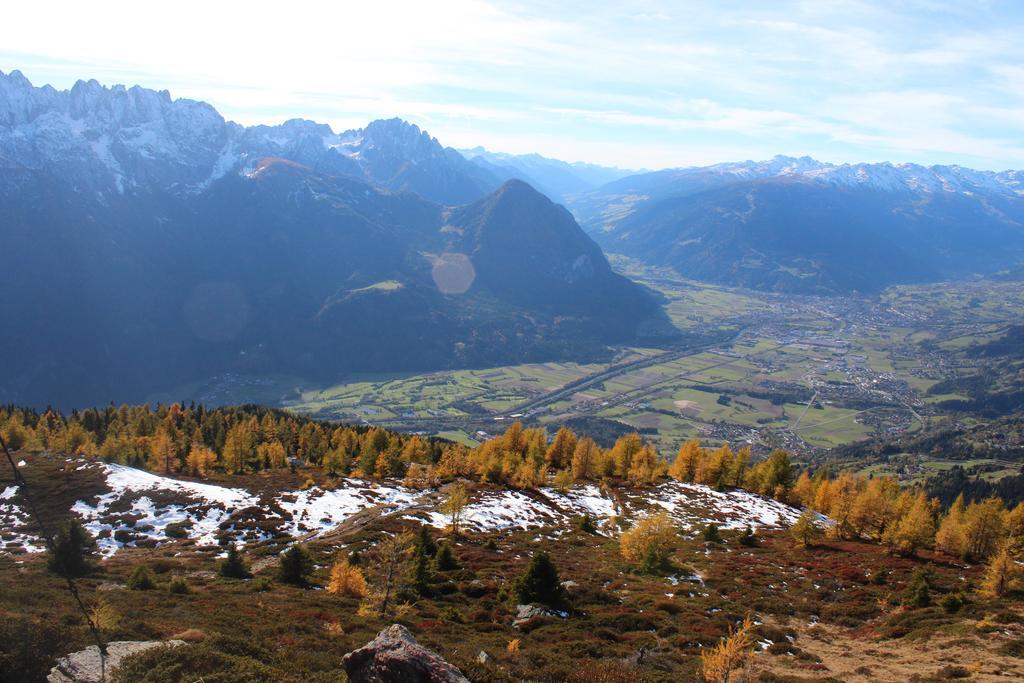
x: 798, y: 225
x: 285, y: 270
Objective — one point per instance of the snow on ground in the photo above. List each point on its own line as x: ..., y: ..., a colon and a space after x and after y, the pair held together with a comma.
x: 141, y: 506
x: 13, y: 524
x: 583, y: 500
x: 145, y: 509
x: 502, y: 510
x: 320, y: 510
x: 122, y: 518
x: 695, y: 505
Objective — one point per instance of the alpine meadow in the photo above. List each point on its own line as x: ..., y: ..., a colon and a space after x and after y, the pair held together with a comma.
x: 485, y: 341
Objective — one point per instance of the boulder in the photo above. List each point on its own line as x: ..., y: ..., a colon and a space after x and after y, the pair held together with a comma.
x: 84, y: 666
x: 395, y: 656
x: 525, y: 613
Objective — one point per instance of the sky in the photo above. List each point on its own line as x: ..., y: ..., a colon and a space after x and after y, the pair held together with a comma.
x: 640, y: 84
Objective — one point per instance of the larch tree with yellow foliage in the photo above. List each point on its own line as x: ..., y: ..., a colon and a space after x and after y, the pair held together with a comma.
x: 585, y: 458
x: 718, y: 664
x: 1000, y: 573
x: 650, y: 542
x: 200, y: 460
x: 685, y: 466
x: 645, y: 466
x: 916, y: 529
x: 346, y: 580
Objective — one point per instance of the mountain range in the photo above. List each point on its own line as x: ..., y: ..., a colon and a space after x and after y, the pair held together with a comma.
x: 560, y: 180
x: 150, y: 243
x: 800, y: 225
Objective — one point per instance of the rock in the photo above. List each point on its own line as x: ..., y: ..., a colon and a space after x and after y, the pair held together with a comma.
x: 84, y: 666
x: 483, y: 658
x: 526, y: 612
x: 395, y: 656
x: 569, y: 585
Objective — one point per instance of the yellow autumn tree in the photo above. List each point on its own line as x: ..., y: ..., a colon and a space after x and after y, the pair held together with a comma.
x: 585, y: 458
x: 347, y: 581
x: 645, y: 467
x: 916, y: 529
x: 983, y: 528
x: 1000, y: 573
x: 718, y: 664
x: 806, y: 529
x: 951, y: 537
x: 559, y: 454
x: 685, y: 466
x: 200, y: 460
x: 651, y: 540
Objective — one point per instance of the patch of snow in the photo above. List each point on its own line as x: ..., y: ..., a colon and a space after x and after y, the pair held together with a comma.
x: 13, y: 521
x: 319, y: 510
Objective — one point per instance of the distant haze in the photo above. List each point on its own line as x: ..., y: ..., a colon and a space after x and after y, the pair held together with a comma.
x: 637, y: 85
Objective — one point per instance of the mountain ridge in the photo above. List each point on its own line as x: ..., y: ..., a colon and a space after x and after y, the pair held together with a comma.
x: 794, y: 224
x: 141, y: 257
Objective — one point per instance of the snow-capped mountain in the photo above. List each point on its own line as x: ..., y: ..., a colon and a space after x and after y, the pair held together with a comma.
x: 798, y: 224
x: 148, y: 242
x: 884, y: 176
x: 118, y: 140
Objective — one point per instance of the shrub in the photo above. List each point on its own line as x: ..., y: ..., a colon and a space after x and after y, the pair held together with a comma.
x: 296, y: 566
x: 586, y: 524
x: 71, y: 551
x: 178, y: 586
x: 540, y: 583
x: 178, y: 529
x: 141, y: 579
x: 28, y: 648
x: 952, y: 603
x: 234, y: 566
x: 748, y: 539
x: 213, y: 659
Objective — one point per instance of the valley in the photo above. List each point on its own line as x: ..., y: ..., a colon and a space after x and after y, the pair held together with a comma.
x: 772, y: 370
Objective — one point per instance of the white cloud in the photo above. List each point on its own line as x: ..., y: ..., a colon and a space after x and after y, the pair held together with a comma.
x: 647, y: 83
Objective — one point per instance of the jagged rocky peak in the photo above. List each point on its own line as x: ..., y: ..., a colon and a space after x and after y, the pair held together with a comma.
x: 121, y: 140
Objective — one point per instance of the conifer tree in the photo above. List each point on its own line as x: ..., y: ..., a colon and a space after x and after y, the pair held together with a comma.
x: 424, y: 543
x: 296, y: 566
x: 585, y: 458
x: 983, y: 528
x: 650, y: 542
x: 234, y: 565
x: 445, y: 558
x: 559, y: 453
x: 718, y: 664
x: 915, y: 530
x: 540, y: 583
x: 71, y: 553
x: 141, y: 579
x: 951, y: 537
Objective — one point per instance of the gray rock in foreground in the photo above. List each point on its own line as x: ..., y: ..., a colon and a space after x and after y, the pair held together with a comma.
x: 395, y: 656
x: 84, y: 666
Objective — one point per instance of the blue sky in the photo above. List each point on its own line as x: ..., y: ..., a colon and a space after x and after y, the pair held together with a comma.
x: 635, y: 84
